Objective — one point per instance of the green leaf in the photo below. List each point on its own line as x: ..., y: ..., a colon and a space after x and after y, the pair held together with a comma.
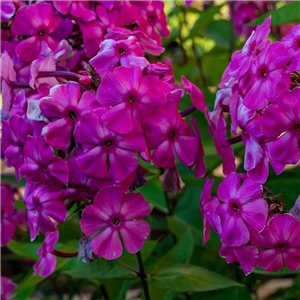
x: 219, y: 31
x: 284, y: 272
x: 204, y: 19
x: 154, y: 194
x: 100, y: 269
x: 27, y: 286
x: 26, y: 250
x: 188, y: 278
x: 289, y: 13
x: 180, y: 253
x: 178, y: 227
x: 234, y: 293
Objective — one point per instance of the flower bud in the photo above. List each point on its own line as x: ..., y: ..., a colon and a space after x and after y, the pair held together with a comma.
x: 85, y: 252
x: 171, y: 181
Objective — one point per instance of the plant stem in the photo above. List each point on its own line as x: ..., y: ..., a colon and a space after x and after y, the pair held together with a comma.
x: 188, y: 110
x: 104, y: 292
x: 64, y: 74
x: 234, y: 140
x: 143, y: 276
x: 19, y: 85
x: 129, y: 268
x: 64, y: 254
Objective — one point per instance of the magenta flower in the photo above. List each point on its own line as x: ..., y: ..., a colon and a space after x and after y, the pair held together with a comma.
x: 223, y: 148
x: 168, y: 133
x: 196, y: 94
x: 295, y: 210
x: 246, y: 255
x: 47, y: 261
x: 64, y: 107
x: 242, y: 59
x: 105, y: 152
x: 44, y: 208
x: 292, y: 43
x: 279, y: 243
x: 116, y: 214
x: 8, y: 226
x: 130, y: 95
x: 200, y: 168
x: 7, y: 286
x: 269, y: 76
x: 41, y: 164
x: 81, y: 187
x: 123, y: 52
x: 281, y: 123
x: 7, y: 10
x: 8, y: 75
x: 38, y: 21
x: 208, y: 207
x: 79, y: 9
x: 243, y: 209
x: 15, y: 133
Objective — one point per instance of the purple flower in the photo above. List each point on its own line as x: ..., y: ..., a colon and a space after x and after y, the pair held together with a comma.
x: 7, y: 286
x: 246, y: 255
x: 38, y: 21
x: 269, y: 76
x: 81, y: 186
x: 242, y: 59
x: 8, y: 74
x: 46, y: 61
x: 15, y: 133
x: 64, y: 107
x: 7, y: 10
x: 223, y: 148
x: 130, y: 96
x: 44, y: 208
x: 105, y: 152
x: 292, y: 43
x: 123, y: 52
x: 279, y: 243
x: 8, y: 226
x: 197, y: 95
x: 47, y: 261
x: 295, y: 210
x: 115, y: 213
x: 281, y: 123
x: 243, y: 209
x: 208, y: 207
x: 200, y: 168
x: 41, y: 164
x: 79, y: 9
x: 168, y: 133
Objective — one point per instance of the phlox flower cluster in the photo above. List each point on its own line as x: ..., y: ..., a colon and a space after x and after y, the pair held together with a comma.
x: 83, y: 105
x: 260, y: 94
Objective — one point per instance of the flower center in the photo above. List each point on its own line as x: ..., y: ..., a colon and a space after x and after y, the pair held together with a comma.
x: 151, y: 18
x: 297, y: 127
x: 122, y: 51
x: 131, y: 99
x: 235, y: 207
x: 264, y: 73
x: 41, y: 32
x: 172, y: 134
x: 281, y: 245
x: 116, y: 220
x: 72, y: 115
x: 108, y: 143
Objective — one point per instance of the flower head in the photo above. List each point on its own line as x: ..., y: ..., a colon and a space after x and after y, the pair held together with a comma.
x: 116, y: 214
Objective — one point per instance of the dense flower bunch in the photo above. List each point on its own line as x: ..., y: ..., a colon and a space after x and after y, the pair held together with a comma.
x: 86, y: 105
x: 82, y: 106
x: 260, y: 93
